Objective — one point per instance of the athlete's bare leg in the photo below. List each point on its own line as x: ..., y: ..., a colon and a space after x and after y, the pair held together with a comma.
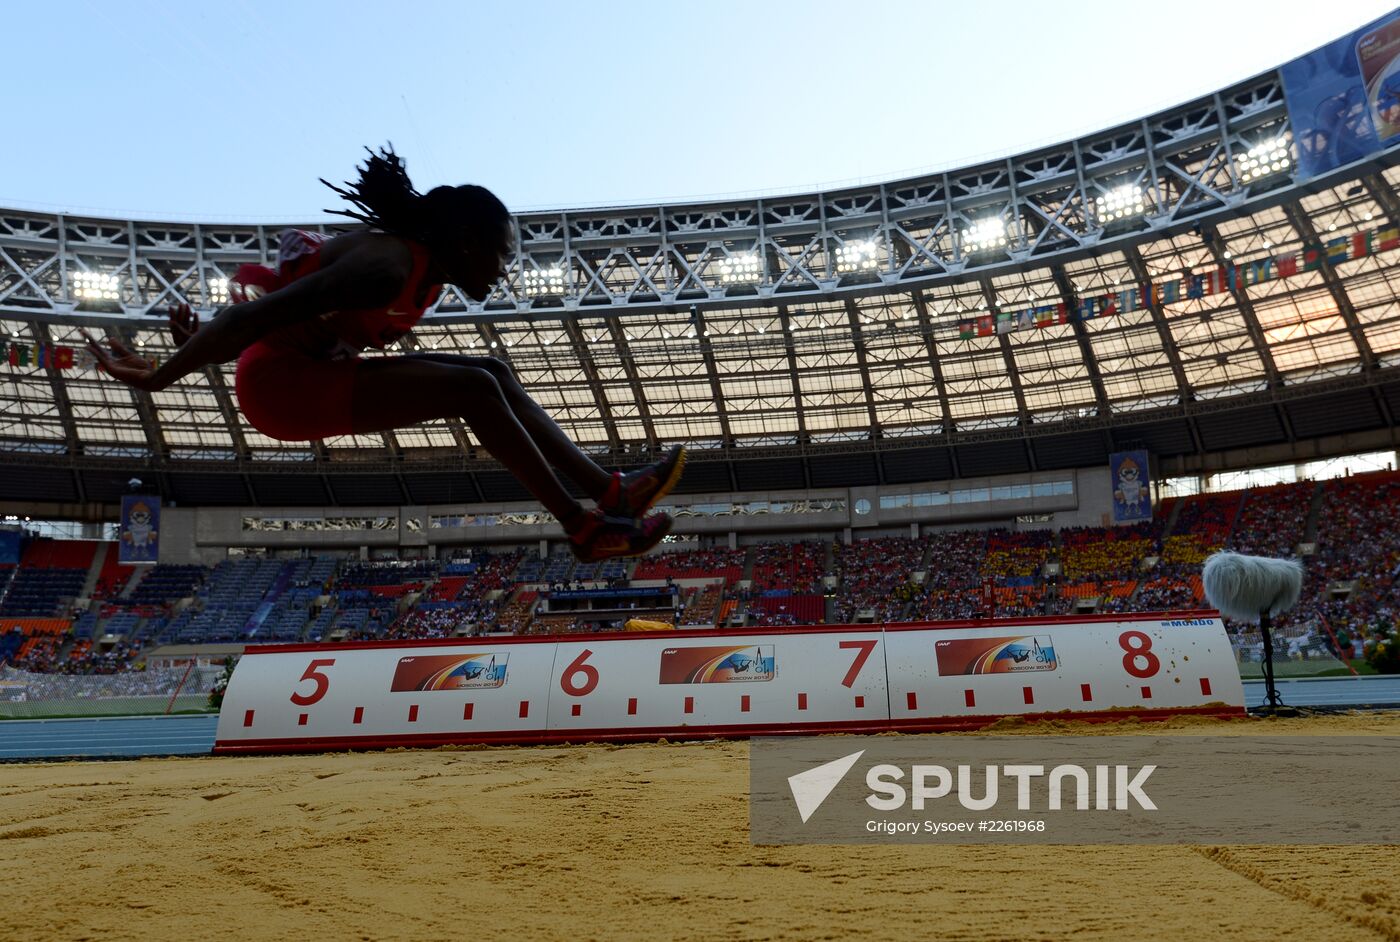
x: 551, y: 440
x: 400, y: 391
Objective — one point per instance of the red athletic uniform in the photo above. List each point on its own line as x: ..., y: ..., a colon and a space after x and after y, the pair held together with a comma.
x: 295, y: 384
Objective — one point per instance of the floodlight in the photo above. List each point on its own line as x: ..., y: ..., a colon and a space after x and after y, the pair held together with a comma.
x: 96, y: 286
x: 541, y: 282
x: 1262, y: 159
x: 1121, y: 202
x: 857, y: 255
x: 984, y: 234
x: 739, y: 268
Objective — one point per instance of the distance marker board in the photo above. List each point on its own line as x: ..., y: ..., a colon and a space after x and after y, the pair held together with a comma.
x: 692, y: 684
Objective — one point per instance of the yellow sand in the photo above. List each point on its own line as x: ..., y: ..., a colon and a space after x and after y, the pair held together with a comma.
x: 603, y: 842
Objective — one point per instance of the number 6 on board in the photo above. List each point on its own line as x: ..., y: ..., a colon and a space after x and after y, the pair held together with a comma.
x: 578, y: 667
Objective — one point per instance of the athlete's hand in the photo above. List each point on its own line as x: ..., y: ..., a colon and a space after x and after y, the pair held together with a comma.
x: 121, y: 364
x: 184, y: 323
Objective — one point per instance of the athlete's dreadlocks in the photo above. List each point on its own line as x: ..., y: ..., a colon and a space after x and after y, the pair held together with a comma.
x: 438, y: 218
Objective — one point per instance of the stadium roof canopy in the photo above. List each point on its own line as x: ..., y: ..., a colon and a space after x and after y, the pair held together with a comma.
x: 1015, y: 315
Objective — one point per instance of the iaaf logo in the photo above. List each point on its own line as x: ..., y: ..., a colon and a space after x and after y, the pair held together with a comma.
x: 1113, y: 787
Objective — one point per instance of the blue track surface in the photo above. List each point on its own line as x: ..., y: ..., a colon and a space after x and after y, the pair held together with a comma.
x: 1369, y: 691
x: 127, y: 736
x: 131, y: 737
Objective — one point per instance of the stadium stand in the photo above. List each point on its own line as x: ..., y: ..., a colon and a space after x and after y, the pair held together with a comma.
x: 515, y: 616
x: 953, y: 558
x: 164, y: 583
x: 874, y: 577
x: 1016, y: 559
x: 788, y: 567
x: 1273, y: 520
x: 113, y: 576
x: 770, y: 610
x: 41, y: 592
x: 705, y: 608
x: 1348, y: 528
x: 726, y: 564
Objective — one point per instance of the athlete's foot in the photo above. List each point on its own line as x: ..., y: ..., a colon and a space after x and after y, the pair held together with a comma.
x: 634, y: 493
x: 596, y: 536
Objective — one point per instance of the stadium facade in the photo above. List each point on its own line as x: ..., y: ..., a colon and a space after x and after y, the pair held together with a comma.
x: 1175, y: 284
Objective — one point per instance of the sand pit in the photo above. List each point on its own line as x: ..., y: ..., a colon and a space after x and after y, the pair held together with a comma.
x: 607, y: 842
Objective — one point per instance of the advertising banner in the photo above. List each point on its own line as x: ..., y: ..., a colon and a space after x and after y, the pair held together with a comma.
x: 1132, y: 486
x: 140, y: 529
x: 1344, y: 99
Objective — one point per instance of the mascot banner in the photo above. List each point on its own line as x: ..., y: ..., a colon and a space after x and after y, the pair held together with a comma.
x: 140, y: 529
x: 1344, y: 99
x: 1132, y: 487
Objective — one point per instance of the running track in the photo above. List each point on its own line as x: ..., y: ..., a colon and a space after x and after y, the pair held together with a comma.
x: 125, y: 736
x: 130, y: 737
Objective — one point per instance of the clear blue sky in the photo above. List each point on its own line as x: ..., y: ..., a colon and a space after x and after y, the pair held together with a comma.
x: 179, y: 109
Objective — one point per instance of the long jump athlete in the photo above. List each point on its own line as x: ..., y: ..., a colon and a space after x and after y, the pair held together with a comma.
x: 297, y: 333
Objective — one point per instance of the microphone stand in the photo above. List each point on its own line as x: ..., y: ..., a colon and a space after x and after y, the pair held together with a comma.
x: 1273, y: 701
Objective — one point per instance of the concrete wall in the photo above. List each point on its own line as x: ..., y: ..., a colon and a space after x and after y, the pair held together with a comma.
x: 204, y: 535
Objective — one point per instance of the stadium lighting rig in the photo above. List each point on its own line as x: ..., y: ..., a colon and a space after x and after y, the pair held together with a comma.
x: 1261, y: 160
x: 1121, y: 202
x: 858, y: 255
x: 739, y: 268
x: 218, y: 290
x: 96, y: 286
x: 543, y: 282
x: 984, y: 234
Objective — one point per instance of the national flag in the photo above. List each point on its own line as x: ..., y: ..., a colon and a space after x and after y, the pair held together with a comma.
x: 1169, y: 292
x: 1312, y: 257
x: 1337, y: 250
x: 1088, y: 309
x: 1387, y: 239
x: 1128, y: 300
x: 19, y: 354
x: 1286, y: 265
x: 1361, y: 245
x: 1196, y: 287
x: 1108, y: 305
x: 986, y: 326
x: 967, y: 330
x: 63, y: 358
x: 1260, y: 271
x: 1006, y: 322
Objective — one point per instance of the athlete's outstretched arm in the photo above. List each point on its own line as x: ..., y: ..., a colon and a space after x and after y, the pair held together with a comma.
x: 364, y: 273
